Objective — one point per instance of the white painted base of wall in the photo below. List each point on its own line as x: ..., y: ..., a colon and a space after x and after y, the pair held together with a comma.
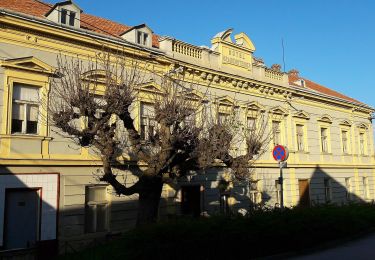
x: 48, y: 183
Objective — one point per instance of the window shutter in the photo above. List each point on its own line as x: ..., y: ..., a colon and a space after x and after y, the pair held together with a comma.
x: 25, y: 93
x: 32, y: 113
x: 147, y: 110
x: 18, y: 111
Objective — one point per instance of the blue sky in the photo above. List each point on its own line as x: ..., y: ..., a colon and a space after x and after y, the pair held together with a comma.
x: 331, y: 42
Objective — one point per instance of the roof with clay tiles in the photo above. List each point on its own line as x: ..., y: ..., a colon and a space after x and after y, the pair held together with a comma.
x: 311, y: 85
x: 90, y: 22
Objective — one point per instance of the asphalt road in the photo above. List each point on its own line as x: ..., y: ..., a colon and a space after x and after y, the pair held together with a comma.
x: 363, y: 248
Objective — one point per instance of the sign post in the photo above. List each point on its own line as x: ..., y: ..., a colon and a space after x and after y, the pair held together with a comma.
x: 280, y: 153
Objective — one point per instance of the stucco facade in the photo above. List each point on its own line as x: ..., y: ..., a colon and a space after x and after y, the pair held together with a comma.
x: 45, y: 160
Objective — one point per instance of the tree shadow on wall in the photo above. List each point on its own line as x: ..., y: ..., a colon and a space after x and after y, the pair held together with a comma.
x: 323, y: 188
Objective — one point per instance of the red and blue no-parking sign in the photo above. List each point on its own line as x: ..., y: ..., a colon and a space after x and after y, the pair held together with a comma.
x: 280, y: 153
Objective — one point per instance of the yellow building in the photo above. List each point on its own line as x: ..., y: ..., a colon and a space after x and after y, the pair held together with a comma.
x: 48, y: 183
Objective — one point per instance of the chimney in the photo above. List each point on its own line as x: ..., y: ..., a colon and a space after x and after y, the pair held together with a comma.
x: 294, y: 73
x: 276, y: 67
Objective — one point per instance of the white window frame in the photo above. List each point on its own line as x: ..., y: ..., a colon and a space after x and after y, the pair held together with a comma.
x: 362, y: 145
x: 276, y: 132
x: 147, y: 122
x: 300, y: 137
x: 345, y: 141
x: 255, y: 192
x: 324, y: 139
x: 26, y: 104
x: 93, y: 205
x: 140, y: 37
x: 68, y: 17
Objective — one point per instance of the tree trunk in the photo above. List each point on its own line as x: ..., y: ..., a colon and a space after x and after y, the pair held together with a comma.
x: 148, y: 203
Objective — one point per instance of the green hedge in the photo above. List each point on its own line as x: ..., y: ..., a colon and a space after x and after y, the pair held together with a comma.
x: 261, y: 234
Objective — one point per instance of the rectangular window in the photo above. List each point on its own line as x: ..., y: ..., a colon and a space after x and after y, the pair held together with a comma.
x: 251, y: 123
x: 327, y: 189
x: 365, y: 187
x: 324, y: 139
x: 255, y: 197
x: 96, y: 210
x: 344, y: 141
x: 64, y: 14
x: 300, y: 137
x: 223, y: 118
x: 72, y: 17
x: 25, y: 109
x: 190, y: 119
x: 255, y: 193
x: 349, y: 189
x: 142, y: 38
x: 276, y: 132
x: 361, y: 143
x: 147, y: 126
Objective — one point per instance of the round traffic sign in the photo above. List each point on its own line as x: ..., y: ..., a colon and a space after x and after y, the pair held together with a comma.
x: 280, y: 153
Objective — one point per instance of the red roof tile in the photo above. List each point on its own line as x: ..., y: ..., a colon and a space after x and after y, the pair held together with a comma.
x: 90, y: 22
x: 319, y: 88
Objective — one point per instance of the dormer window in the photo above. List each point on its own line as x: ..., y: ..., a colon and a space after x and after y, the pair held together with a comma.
x: 142, y: 38
x: 67, y: 17
x: 66, y: 13
x: 140, y: 34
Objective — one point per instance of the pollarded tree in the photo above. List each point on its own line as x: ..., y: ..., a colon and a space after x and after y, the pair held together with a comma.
x: 92, y: 101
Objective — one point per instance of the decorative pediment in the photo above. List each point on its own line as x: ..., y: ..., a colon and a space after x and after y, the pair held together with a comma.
x: 279, y: 111
x: 194, y: 95
x: 95, y: 75
x: 346, y: 123
x: 302, y: 114
x: 225, y: 101
x: 325, y: 118
x: 254, y: 105
x: 29, y: 63
x: 243, y: 40
x: 362, y: 126
x: 150, y: 87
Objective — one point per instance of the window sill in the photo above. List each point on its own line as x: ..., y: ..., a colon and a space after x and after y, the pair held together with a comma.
x: 325, y: 153
x: 26, y: 136
x: 302, y: 152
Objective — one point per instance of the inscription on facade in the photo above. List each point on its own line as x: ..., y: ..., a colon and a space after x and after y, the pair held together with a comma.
x: 237, y: 58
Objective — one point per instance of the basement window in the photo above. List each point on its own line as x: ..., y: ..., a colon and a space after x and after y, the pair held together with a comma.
x: 96, y: 209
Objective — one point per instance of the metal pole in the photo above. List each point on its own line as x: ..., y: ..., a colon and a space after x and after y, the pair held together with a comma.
x: 281, y: 164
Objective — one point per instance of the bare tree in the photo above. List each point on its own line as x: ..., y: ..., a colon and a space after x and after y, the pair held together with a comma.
x: 92, y: 108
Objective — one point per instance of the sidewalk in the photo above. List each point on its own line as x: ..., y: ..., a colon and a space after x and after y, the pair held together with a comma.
x: 363, y: 248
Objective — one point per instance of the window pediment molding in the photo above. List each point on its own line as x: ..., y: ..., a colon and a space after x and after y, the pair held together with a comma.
x: 302, y: 114
x: 194, y: 94
x: 95, y: 75
x: 255, y: 106
x: 29, y: 64
x: 325, y: 118
x: 362, y: 126
x: 278, y: 110
x: 150, y: 87
x: 346, y: 123
x: 225, y: 101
